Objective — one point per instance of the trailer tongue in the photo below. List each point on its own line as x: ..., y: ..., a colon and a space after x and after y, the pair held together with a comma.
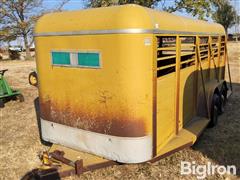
x: 61, y: 161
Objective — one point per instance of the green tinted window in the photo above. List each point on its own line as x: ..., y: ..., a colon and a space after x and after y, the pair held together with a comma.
x: 62, y: 58
x: 88, y: 59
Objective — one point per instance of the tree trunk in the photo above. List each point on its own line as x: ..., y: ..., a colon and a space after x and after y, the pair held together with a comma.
x: 226, y: 30
x: 27, y: 48
x: 8, y: 47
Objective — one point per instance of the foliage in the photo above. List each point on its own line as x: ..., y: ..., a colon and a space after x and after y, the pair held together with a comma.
x: 225, y: 14
x: 18, y: 18
x: 197, y: 8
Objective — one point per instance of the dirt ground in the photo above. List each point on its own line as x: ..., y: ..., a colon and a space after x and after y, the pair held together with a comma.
x: 20, y: 143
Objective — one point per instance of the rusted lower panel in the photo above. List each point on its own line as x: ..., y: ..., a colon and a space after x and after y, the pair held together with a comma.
x: 122, y: 124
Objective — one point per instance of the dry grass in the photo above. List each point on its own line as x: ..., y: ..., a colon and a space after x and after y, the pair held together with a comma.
x: 19, y: 135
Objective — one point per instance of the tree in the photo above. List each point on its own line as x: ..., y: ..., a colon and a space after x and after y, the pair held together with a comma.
x: 5, y: 35
x: 197, y: 8
x: 225, y: 14
x: 18, y: 18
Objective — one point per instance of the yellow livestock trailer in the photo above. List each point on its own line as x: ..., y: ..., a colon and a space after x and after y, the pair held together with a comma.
x: 128, y: 83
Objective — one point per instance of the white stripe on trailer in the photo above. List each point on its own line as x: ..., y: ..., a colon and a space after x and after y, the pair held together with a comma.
x: 121, y: 149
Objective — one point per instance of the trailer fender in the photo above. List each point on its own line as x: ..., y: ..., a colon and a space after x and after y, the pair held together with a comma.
x: 212, y: 87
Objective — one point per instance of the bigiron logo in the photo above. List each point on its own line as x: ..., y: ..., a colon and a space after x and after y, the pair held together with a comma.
x: 204, y: 170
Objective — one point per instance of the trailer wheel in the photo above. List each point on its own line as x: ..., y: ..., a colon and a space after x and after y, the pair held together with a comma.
x: 1, y: 103
x: 214, y: 111
x: 32, y: 79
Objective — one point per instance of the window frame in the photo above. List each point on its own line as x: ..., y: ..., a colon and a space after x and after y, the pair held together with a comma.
x: 77, y: 51
x: 167, y: 57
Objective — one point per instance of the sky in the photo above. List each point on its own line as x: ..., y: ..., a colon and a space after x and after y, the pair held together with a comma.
x: 71, y: 5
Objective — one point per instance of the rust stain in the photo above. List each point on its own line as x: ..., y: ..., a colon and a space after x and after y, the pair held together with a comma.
x: 121, y: 124
x: 45, y: 109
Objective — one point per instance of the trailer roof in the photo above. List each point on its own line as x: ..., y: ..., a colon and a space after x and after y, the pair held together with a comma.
x: 121, y: 19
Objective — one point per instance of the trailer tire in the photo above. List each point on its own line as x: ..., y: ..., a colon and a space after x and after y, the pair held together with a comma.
x: 214, y: 111
x: 32, y: 79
